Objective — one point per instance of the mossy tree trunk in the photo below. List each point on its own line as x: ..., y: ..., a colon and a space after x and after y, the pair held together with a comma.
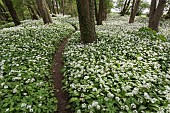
x: 156, y: 12
x: 42, y: 6
x: 12, y: 12
x: 135, y: 6
x: 86, y: 20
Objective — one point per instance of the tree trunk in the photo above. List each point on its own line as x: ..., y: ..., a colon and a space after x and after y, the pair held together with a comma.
x: 42, y: 6
x: 95, y: 8
x: 86, y: 20
x: 57, y: 7
x: 3, y: 14
x: 156, y: 13
x: 104, y: 15
x: 33, y: 13
x: 12, y: 12
x: 49, y: 4
x: 54, y: 8
x: 100, y: 14
x: 63, y: 7
x: 125, y: 7
x: 135, y: 7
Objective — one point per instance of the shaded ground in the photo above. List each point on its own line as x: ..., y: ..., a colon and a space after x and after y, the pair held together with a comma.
x: 62, y: 96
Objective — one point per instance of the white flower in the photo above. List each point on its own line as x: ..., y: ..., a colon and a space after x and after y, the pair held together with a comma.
x: 94, y: 103
x: 28, y: 106
x: 89, y: 106
x: 23, y: 105
x: 98, y: 107
x: 110, y: 95
x: 31, y: 110
x: 7, y: 110
x: 79, y: 111
x: 83, y: 105
x: 14, y: 90
x: 5, y: 87
x: 133, y: 105
x: 39, y: 105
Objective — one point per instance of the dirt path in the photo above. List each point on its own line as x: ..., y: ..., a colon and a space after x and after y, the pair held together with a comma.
x: 62, y: 96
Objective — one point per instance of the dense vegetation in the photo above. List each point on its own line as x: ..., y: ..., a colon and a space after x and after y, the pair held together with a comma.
x: 112, y: 62
x: 26, y: 59
x: 125, y: 70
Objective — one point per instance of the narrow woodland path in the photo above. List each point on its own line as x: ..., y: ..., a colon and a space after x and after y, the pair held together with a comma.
x: 62, y: 96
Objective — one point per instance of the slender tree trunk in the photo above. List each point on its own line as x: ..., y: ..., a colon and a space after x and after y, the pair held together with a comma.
x: 49, y: 4
x: 135, y: 7
x: 12, y: 12
x: 101, y: 8
x: 63, y: 7
x: 156, y: 13
x: 33, y: 13
x: 57, y: 7
x: 86, y: 20
x: 3, y: 14
x: 104, y: 15
x: 54, y: 8
x: 42, y: 6
x: 125, y: 7
x: 95, y: 8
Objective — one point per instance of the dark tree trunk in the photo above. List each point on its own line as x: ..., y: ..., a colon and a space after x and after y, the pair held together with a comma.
x: 3, y: 15
x: 86, y: 20
x: 33, y: 13
x: 100, y: 14
x: 135, y: 6
x: 42, y: 6
x: 12, y: 12
x: 156, y: 13
x: 125, y: 7
x: 95, y: 8
x: 104, y: 15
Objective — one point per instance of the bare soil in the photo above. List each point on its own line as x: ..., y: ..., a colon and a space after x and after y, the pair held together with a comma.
x: 62, y: 97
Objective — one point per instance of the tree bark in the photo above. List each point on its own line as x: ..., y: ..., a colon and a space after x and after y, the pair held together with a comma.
x: 12, y: 12
x: 49, y: 4
x: 156, y: 13
x: 63, y: 7
x: 86, y: 20
x: 100, y: 14
x: 135, y: 6
x: 4, y: 16
x: 104, y: 15
x: 42, y: 6
x: 54, y: 8
x: 33, y: 13
x: 125, y: 7
x: 57, y: 7
x: 95, y: 8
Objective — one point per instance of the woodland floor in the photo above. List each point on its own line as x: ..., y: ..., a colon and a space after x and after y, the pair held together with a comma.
x: 63, y: 100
